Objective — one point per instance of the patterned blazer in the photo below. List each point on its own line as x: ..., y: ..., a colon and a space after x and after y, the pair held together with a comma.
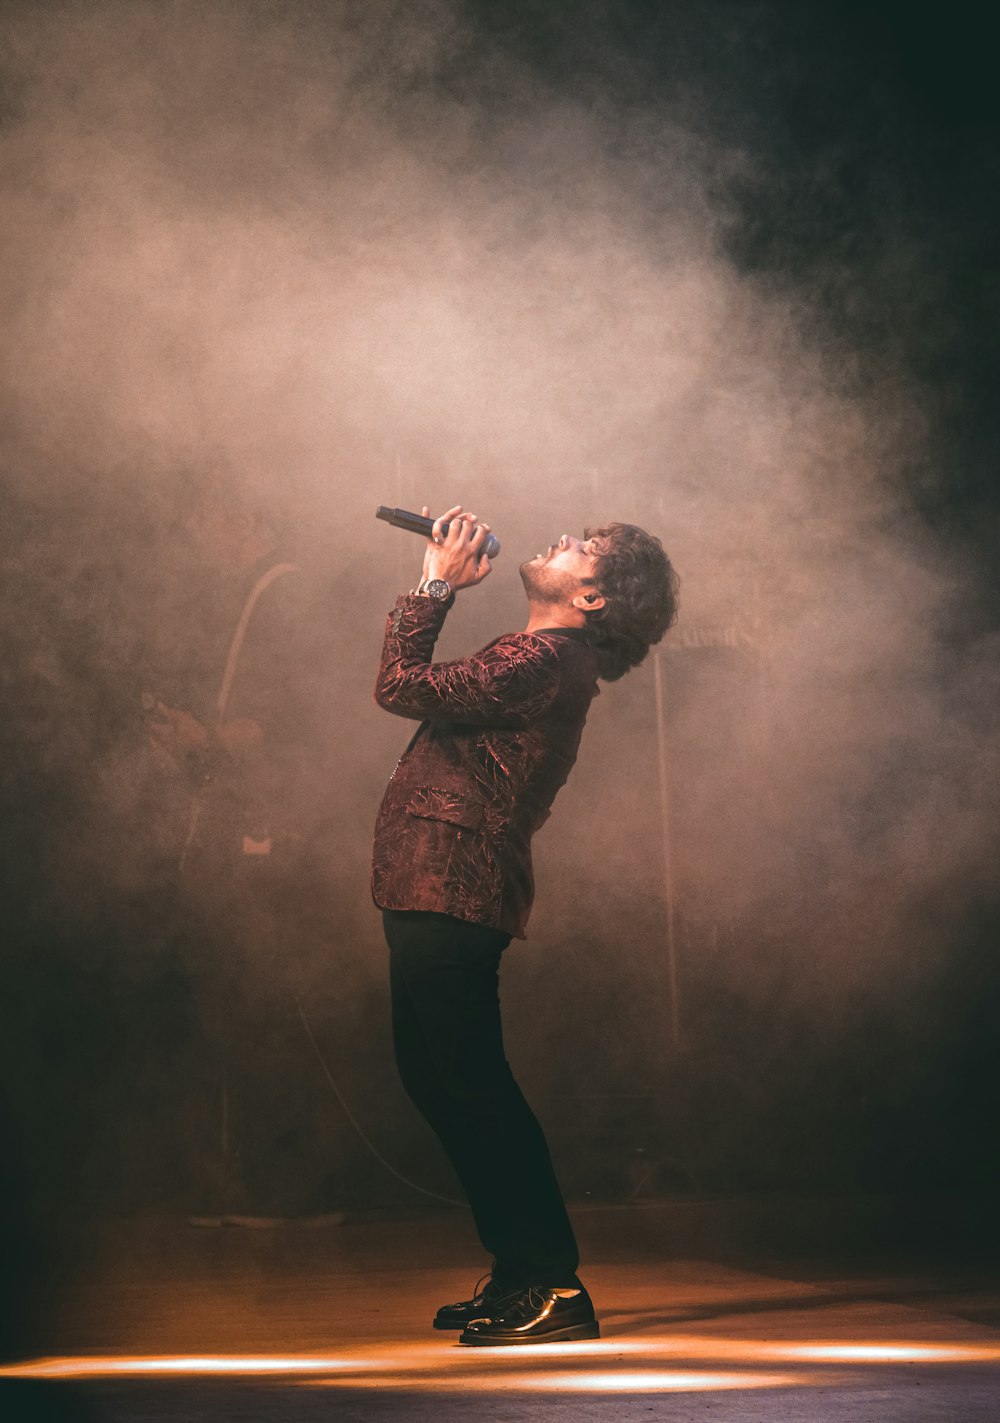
x: 498, y: 736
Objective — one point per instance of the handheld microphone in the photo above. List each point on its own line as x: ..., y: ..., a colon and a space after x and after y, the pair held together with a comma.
x: 420, y: 524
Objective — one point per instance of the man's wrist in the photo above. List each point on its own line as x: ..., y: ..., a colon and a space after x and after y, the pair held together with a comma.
x: 439, y: 590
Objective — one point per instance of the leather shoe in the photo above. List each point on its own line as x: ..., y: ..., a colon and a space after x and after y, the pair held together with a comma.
x: 457, y: 1316
x: 535, y: 1315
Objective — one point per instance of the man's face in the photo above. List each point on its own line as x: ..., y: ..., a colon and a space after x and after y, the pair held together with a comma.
x: 567, y: 569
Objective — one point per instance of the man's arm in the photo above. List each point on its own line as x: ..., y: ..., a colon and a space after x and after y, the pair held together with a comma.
x: 508, y: 684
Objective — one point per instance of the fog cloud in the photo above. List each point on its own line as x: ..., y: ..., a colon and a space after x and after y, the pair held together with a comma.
x: 351, y: 254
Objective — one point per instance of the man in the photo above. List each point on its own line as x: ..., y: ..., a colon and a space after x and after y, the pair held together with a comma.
x: 452, y: 874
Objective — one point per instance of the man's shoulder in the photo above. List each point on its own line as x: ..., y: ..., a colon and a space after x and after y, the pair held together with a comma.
x: 545, y: 653
x: 557, y: 644
x: 522, y: 646
x: 551, y: 639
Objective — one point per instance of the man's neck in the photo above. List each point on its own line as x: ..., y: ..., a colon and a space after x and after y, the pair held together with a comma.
x: 553, y: 615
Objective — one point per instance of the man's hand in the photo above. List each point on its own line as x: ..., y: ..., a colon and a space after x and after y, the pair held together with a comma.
x: 457, y: 556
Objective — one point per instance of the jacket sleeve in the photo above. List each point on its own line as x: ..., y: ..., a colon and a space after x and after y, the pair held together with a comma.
x: 510, y: 683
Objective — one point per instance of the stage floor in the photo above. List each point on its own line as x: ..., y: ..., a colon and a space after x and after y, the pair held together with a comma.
x: 332, y: 1321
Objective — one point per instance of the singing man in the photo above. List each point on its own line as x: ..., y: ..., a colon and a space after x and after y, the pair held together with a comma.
x: 451, y: 873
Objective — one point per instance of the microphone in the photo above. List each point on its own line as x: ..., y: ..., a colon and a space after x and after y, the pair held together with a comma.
x: 420, y: 524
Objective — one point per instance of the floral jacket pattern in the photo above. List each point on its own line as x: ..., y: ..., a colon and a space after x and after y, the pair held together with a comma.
x: 498, y: 736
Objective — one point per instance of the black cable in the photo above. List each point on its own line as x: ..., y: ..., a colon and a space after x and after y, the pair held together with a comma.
x: 434, y: 1195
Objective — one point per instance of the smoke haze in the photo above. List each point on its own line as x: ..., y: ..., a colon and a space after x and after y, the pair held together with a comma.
x: 358, y: 253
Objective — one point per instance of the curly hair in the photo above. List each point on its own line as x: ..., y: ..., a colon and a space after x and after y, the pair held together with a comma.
x: 640, y: 587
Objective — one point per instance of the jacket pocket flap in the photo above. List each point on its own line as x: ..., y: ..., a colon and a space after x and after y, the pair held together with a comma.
x: 433, y: 803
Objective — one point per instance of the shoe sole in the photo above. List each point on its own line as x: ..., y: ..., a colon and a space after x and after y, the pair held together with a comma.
x: 591, y: 1330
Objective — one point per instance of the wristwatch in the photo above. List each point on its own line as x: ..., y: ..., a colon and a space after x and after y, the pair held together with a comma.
x: 435, y: 588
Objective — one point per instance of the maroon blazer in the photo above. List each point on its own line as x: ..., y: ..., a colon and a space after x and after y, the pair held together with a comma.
x: 498, y: 736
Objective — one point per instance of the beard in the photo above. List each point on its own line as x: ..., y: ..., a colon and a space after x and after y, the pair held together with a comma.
x: 548, y: 585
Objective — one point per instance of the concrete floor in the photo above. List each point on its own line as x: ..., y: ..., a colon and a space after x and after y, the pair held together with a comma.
x: 332, y: 1322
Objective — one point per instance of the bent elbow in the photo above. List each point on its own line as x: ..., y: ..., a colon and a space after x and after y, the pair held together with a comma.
x: 390, y: 696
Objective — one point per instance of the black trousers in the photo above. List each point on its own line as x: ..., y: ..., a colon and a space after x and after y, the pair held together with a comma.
x: 449, y: 1047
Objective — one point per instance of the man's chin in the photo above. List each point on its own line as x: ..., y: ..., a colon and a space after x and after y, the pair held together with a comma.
x: 539, y: 587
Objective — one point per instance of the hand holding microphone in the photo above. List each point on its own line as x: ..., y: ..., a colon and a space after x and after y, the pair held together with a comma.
x: 456, y: 549
x: 459, y: 548
x: 422, y: 524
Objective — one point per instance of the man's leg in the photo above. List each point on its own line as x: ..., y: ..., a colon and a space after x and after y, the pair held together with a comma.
x: 449, y: 1046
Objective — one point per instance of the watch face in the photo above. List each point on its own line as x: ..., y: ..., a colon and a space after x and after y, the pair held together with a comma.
x: 437, y: 588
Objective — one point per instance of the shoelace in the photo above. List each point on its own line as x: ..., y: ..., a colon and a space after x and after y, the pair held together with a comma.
x: 486, y: 1284
x: 522, y: 1302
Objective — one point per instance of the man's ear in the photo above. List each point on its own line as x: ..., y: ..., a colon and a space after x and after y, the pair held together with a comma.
x: 589, y: 602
